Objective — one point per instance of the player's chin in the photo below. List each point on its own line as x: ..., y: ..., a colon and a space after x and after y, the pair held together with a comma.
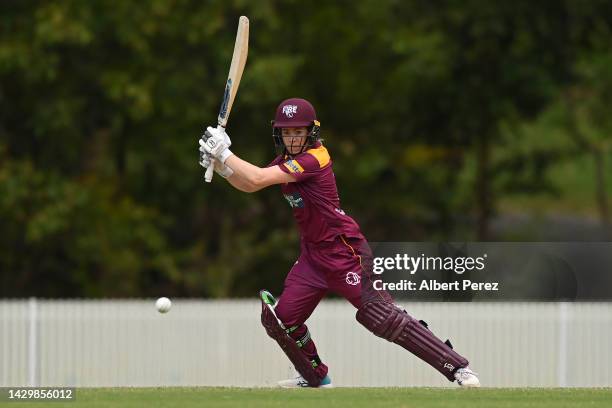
x: 293, y: 150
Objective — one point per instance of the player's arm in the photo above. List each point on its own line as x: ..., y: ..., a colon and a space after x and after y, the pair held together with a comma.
x: 241, y: 174
x: 239, y: 183
x: 255, y: 178
x: 226, y: 172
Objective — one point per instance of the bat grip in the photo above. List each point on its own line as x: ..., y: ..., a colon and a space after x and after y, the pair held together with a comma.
x: 209, y: 171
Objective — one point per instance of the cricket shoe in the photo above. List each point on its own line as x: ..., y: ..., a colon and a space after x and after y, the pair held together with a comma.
x: 467, y: 378
x: 300, y: 382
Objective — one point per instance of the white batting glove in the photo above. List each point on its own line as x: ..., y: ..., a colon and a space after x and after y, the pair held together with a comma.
x: 219, y: 131
x: 205, y: 159
x: 216, y: 142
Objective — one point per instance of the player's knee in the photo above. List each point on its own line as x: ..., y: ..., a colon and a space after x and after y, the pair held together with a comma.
x: 384, y: 319
x: 276, y: 320
x: 268, y: 316
x: 284, y: 317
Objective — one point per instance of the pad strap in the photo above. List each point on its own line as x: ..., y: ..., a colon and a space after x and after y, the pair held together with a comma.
x: 303, y: 340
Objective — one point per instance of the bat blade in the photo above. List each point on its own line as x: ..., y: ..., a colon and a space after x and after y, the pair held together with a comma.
x: 239, y: 57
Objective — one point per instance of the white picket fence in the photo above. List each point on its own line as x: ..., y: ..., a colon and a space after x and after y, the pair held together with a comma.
x: 221, y: 343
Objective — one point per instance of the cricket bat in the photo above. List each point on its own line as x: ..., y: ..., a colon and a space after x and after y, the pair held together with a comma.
x: 241, y: 50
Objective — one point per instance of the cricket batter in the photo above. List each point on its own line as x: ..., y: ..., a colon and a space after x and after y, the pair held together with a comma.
x: 335, y: 255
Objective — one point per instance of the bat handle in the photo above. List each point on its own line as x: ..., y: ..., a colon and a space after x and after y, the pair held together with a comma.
x: 209, y: 171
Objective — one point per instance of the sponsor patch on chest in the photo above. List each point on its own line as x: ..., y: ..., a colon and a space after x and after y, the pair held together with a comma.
x: 295, y: 200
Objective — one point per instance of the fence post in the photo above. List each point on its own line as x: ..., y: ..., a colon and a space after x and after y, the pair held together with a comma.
x: 32, y: 342
x: 562, y: 357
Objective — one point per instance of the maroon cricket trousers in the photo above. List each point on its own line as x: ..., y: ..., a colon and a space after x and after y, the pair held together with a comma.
x: 342, y: 266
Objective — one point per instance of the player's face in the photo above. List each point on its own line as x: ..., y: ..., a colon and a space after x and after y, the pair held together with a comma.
x: 294, y: 138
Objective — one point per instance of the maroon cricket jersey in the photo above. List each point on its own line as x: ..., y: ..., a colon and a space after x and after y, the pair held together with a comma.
x: 314, y: 196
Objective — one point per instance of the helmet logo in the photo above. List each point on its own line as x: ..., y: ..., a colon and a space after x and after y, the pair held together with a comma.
x: 289, y: 110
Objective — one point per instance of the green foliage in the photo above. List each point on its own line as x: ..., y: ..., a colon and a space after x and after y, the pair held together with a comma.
x: 61, y: 237
x: 423, y: 108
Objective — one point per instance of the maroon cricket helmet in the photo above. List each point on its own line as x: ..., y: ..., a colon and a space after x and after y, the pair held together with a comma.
x: 294, y: 112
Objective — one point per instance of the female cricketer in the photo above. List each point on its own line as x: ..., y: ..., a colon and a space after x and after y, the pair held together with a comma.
x: 334, y: 256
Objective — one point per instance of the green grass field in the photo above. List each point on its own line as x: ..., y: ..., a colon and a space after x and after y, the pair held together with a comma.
x: 339, y: 397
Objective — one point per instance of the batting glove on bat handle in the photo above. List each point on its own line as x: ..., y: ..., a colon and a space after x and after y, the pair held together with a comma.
x: 206, y: 160
x: 209, y: 172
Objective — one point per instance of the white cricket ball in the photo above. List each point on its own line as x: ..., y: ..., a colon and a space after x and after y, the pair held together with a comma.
x: 163, y: 305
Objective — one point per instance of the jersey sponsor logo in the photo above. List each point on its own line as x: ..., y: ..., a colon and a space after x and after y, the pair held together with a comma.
x: 294, y: 166
x: 290, y: 110
x: 294, y: 200
x: 353, y: 278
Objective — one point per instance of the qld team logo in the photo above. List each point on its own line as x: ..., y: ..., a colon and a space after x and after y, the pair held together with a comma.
x: 294, y: 200
x: 290, y: 110
x: 353, y: 279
